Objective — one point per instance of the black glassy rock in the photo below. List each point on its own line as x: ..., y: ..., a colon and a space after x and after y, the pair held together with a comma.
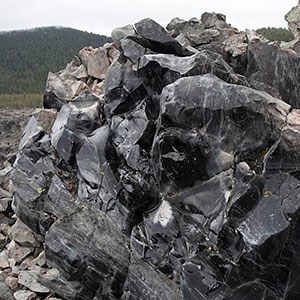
x: 173, y: 175
x: 265, y: 59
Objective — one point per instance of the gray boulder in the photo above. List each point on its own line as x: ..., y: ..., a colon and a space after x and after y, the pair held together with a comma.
x: 265, y: 59
x: 293, y: 19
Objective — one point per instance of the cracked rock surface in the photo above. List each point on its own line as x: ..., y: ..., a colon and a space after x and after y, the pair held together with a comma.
x: 178, y: 180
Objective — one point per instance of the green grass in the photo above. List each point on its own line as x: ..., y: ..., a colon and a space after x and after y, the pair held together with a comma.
x: 16, y: 101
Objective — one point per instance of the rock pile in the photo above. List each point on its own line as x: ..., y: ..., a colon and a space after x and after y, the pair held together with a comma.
x: 83, y: 77
x: 22, y: 257
x: 170, y: 172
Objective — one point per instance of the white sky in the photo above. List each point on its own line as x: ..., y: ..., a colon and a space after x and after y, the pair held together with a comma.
x: 104, y: 15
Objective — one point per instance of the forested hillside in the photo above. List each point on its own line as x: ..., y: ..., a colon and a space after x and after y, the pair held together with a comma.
x: 27, y: 56
x: 276, y: 34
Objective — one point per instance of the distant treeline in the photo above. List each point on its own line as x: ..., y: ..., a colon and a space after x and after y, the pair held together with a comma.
x: 276, y: 34
x: 27, y: 56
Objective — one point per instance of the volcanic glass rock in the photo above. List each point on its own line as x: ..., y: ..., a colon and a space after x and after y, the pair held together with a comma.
x: 181, y: 181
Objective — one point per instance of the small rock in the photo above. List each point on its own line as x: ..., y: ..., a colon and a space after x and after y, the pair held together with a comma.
x: 5, y: 204
x: 29, y: 280
x: 4, y: 220
x: 4, y: 193
x: 4, y: 260
x: 52, y: 274
x: 18, y: 252
x: 95, y: 61
x: 293, y: 47
x: 120, y: 33
x: 4, y: 229
x: 4, y: 172
x: 113, y: 52
x: 9, y: 185
x: 291, y: 131
x: 14, y: 269
x: 12, y: 282
x: 24, y: 295
x: 5, y: 292
x: 21, y: 234
x: 3, y: 275
x: 26, y: 263
x: 2, y: 239
x: 236, y: 44
x: 39, y: 260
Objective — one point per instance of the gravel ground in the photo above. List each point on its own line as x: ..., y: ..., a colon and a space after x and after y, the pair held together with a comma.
x: 22, y: 258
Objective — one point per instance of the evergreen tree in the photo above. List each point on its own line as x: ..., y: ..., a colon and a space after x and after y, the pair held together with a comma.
x: 276, y: 34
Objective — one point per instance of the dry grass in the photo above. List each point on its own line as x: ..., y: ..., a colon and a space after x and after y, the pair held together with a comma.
x: 17, y: 101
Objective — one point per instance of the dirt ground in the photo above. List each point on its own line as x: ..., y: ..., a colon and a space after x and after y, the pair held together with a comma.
x: 12, y: 123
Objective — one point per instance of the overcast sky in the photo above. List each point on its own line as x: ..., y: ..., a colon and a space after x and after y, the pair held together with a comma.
x: 103, y: 15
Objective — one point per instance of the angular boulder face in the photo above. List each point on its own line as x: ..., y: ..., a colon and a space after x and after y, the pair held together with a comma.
x: 265, y: 59
x: 293, y: 19
x: 181, y: 183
